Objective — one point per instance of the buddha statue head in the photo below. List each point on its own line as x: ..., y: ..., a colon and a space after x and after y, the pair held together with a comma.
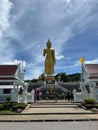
x: 48, y: 44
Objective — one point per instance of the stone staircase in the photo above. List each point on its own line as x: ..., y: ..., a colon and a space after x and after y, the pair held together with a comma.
x: 43, y: 111
x: 52, y: 107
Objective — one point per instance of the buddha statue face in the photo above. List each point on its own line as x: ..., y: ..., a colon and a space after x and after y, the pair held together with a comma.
x: 48, y: 44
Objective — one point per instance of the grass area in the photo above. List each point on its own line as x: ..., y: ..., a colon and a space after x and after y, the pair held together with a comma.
x: 7, y: 112
x: 11, y: 107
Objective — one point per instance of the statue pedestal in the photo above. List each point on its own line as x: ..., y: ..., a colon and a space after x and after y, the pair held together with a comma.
x: 50, y: 80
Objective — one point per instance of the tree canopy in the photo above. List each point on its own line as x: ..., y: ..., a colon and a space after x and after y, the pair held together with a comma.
x: 68, y: 78
x: 63, y: 77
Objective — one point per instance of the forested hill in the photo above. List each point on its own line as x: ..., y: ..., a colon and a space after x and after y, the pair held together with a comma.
x: 63, y: 77
x: 68, y: 77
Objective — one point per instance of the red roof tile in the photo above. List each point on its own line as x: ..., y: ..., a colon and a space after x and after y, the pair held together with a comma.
x: 8, y: 69
x: 92, y: 69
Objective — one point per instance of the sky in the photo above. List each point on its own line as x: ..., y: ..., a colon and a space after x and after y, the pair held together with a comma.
x: 71, y: 26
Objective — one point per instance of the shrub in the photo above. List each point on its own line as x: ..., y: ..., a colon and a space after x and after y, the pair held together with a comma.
x: 96, y: 106
x: 8, y: 99
x: 1, y: 107
x: 18, y: 106
x: 89, y: 100
x: 89, y: 106
x: 13, y: 103
x: 5, y: 106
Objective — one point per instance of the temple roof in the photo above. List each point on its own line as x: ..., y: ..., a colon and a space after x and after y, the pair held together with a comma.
x: 92, y: 70
x: 8, y: 70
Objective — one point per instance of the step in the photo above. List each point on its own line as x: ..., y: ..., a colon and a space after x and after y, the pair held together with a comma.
x: 55, y: 103
x: 53, y: 106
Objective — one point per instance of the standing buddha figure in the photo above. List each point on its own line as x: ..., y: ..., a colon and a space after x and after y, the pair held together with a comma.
x: 50, y: 60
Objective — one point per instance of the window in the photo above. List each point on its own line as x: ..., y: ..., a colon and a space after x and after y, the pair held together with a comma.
x: 96, y: 84
x: 6, y: 91
x: 6, y: 83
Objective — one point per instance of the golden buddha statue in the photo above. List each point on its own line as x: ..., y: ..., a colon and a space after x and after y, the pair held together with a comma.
x: 49, y: 53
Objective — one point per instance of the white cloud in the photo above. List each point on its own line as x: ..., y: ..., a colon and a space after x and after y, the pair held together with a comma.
x: 47, y: 20
x: 6, y: 52
x: 59, y: 57
x: 25, y: 27
x: 95, y: 61
x: 33, y: 71
x: 40, y: 58
x: 77, y: 64
x: 16, y: 62
x: 5, y: 6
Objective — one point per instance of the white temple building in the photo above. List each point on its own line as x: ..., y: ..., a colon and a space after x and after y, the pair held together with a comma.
x: 11, y: 77
x: 88, y: 83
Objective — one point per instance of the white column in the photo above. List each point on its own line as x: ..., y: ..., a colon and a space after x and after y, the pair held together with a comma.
x: 25, y: 87
x: 32, y: 92
x: 74, y: 94
x: 15, y: 93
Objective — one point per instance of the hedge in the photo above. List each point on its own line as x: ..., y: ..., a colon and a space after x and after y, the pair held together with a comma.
x: 89, y: 100
x: 18, y: 106
x: 89, y: 106
x: 1, y: 107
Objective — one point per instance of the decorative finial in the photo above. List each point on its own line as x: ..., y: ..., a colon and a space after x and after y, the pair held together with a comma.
x: 49, y: 40
x: 82, y: 60
x: 48, y: 44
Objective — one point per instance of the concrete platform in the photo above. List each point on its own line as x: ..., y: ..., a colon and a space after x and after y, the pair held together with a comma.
x: 51, y: 111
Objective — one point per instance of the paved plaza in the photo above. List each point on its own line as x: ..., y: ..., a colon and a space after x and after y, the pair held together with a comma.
x: 76, y: 125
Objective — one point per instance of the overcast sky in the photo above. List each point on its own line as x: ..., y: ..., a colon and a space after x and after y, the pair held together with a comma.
x: 26, y: 25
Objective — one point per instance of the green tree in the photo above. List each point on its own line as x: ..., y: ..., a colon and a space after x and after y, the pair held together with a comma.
x: 68, y: 78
